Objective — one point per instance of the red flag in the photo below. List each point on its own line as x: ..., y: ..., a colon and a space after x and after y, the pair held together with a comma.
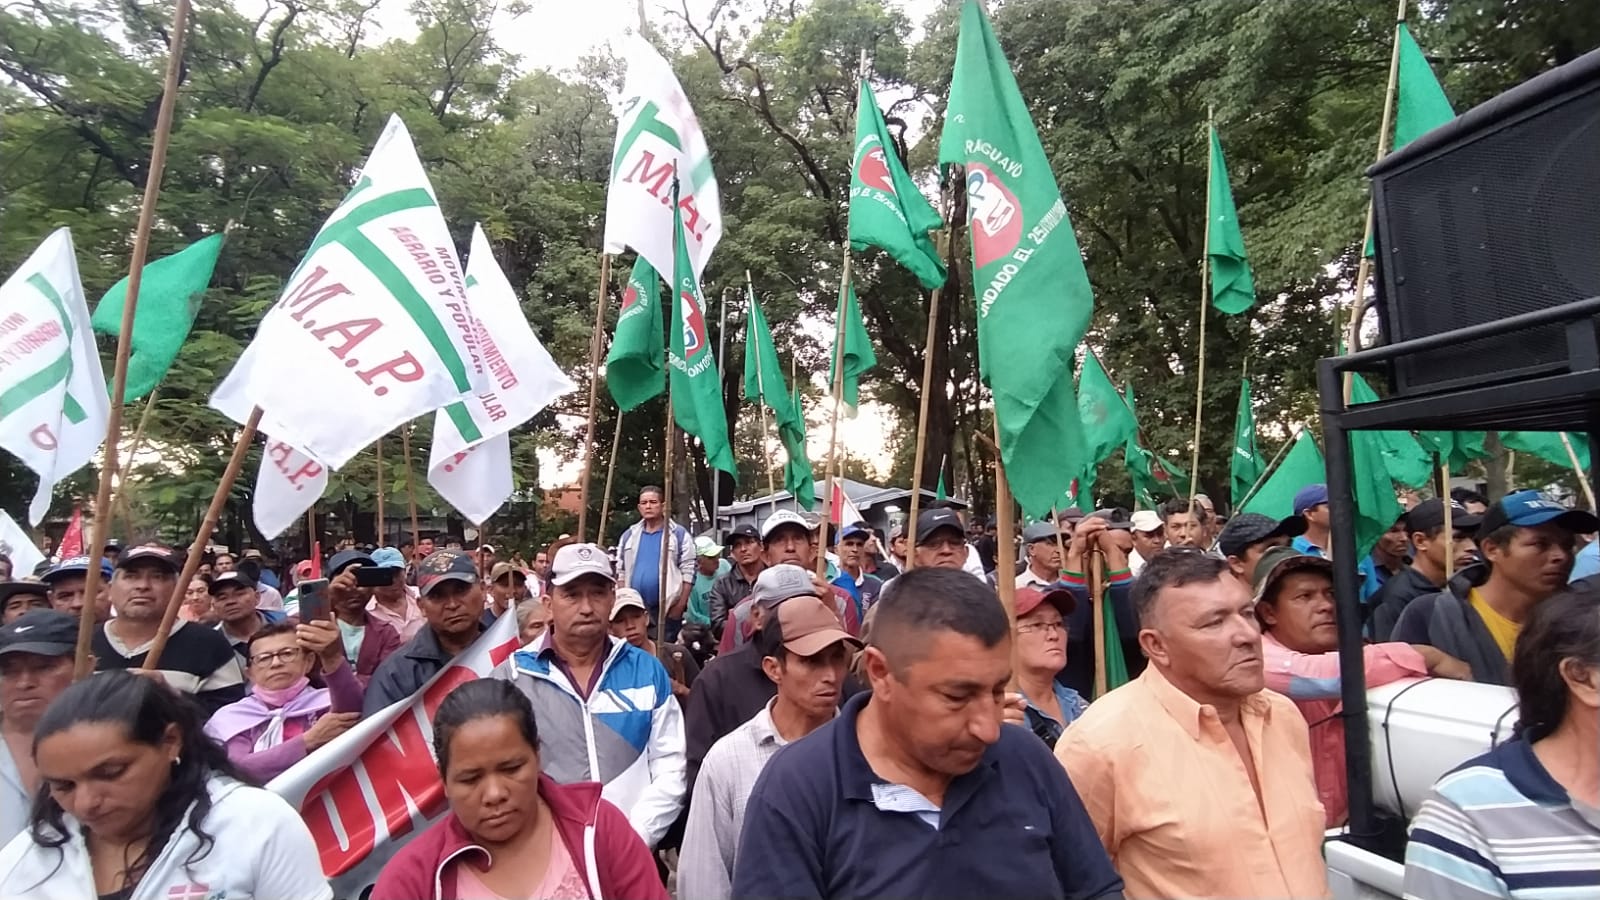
x: 840, y: 510
x: 72, y: 540
x: 316, y: 559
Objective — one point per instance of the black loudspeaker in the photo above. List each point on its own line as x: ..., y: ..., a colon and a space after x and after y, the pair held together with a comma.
x: 1494, y: 214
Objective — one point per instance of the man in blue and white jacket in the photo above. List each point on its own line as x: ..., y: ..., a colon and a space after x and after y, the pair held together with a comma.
x: 605, y: 708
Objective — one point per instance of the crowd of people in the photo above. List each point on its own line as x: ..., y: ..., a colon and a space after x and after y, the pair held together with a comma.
x: 721, y: 718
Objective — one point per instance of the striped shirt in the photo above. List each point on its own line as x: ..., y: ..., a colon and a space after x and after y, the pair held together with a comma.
x: 1500, y: 827
x: 197, y: 661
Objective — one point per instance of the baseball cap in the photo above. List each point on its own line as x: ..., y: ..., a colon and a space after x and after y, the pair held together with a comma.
x: 388, y: 558
x: 627, y: 598
x: 778, y: 583
x: 76, y: 565
x: 705, y: 545
x: 577, y: 560
x: 1039, y: 531
x: 445, y: 565
x: 1245, y: 529
x: 487, y: 548
x: 45, y: 632
x: 235, y: 578
x: 159, y: 555
x: 1309, y: 496
x: 252, y: 553
x: 931, y: 520
x: 112, y: 544
x: 809, y: 627
x: 1280, y: 561
x: 1527, y: 509
x: 502, y: 569
x: 743, y: 531
x: 1071, y: 514
x: 1029, y: 599
x: 781, y: 518
x: 344, y: 559
x: 303, y: 569
x: 1116, y: 517
x: 1429, y: 515
x: 1145, y: 520
x: 854, y: 529
x: 9, y: 589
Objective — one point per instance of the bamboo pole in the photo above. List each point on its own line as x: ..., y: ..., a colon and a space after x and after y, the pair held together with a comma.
x: 197, y: 550
x: 1200, y: 371
x: 1577, y: 469
x: 1097, y: 586
x: 119, y: 378
x: 596, y: 341
x: 611, y: 471
x: 927, y: 381
x: 666, y: 523
x: 120, y: 503
x: 1449, y: 525
x: 383, y: 526
x: 1006, y: 549
x: 761, y: 401
x: 833, y: 435
x: 1358, y: 303
x: 411, y: 492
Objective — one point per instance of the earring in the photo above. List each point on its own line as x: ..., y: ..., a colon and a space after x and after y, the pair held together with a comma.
x: 177, y: 761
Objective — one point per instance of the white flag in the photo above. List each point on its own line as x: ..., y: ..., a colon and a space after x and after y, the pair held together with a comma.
x: 657, y: 130
x: 288, y: 483
x: 15, y: 543
x: 513, y: 378
x: 368, y: 332
x: 53, y: 404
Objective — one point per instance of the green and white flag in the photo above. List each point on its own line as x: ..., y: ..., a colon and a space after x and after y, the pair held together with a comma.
x: 659, y: 138
x: 696, y: 384
x: 53, y: 404
x: 886, y: 208
x: 635, y: 364
x: 372, y: 328
x: 169, y: 296
x: 514, y: 378
x: 1033, y: 296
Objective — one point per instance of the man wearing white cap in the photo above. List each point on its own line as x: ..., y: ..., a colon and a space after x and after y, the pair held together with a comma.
x: 787, y: 537
x: 605, y: 707
x: 1149, y: 538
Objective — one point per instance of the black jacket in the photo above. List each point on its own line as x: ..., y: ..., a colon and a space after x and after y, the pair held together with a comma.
x: 406, y: 670
x: 1392, y: 599
x: 1446, y: 621
x: 725, y: 595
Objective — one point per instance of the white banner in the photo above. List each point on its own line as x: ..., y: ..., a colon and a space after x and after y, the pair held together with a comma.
x: 513, y: 379
x: 656, y: 131
x: 375, y: 787
x: 288, y: 483
x: 53, y: 403
x: 15, y: 543
x: 361, y: 339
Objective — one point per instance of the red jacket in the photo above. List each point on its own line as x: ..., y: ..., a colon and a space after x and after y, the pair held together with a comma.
x: 608, y: 853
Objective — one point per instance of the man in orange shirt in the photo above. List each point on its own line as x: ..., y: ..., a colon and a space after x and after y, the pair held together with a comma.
x: 1199, y: 780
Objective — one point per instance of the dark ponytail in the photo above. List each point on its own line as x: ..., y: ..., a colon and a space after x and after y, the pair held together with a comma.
x: 481, y: 699
x: 1565, y: 626
x: 144, y: 708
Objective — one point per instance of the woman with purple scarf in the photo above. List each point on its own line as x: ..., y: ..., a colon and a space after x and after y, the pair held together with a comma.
x: 284, y: 717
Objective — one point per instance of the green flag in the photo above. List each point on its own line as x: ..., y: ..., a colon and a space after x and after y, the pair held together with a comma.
x: 1301, y: 466
x: 1116, y: 663
x: 1153, y: 477
x: 938, y: 492
x: 1107, y: 422
x: 634, y: 372
x: 1232, y: 290
x: 763, y: 376
x: 696, y: 384
x: 1420, y: 103
x: 169, y: 296
x: 1547, y: 446
x: 798, y: 478
x: 1377, y: 508
x: 886, y: 208
x: 1405, y: 459
x: 1246, y: 466
x: 1455, y: 448
x: 1032, y: 290
x: 858, y: 355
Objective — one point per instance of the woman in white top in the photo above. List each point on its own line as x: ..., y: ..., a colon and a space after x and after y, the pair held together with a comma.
x: 138, y: 804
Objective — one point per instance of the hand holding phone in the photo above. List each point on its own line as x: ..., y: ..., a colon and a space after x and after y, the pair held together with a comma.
x: 313, y: 600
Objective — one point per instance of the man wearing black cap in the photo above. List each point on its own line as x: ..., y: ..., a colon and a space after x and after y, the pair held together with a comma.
x: 1424, y: 525
x: 18, y: 597
x: 1248, y: 536
x: 67, y: 581
x: 237, y: 606
x: 1527, y: 543
x: 112, y: 551
x: 451, y: 600
x: 367, y: 639
x: 744, y: 549
x: 941, y: 541
x: 36, y: 652
x: 197, y: 660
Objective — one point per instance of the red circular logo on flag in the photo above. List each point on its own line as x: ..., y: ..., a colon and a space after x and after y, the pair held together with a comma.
x: 629, y: 297
x: 694, y: 326
x: 994, y: 215
x: 873, y: 170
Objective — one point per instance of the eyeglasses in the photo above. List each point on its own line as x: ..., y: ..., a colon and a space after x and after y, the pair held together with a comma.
x: 285, y: 656
x: 1045, y: 627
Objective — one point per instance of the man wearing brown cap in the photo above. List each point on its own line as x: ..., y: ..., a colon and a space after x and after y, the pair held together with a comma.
x: 507, y: 585
x: 804, y: 653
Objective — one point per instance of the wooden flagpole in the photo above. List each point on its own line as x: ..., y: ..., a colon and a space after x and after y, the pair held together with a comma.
x: 927, y: 375
x: 761, y: 401
x: 1449, y: 525
x: 1205, y: 307
x: 119, y: 379
x: 1358, y: 303
x: 197, y: 550
x: 383, y: 529
x: 611, y: 471
x: 119, y: 504
x: 1577, y: 469
x: 596, y: 341
x: 1097, y: 587
x: 311, y: 537
x: 411, y: 492
x: 1006, y: 547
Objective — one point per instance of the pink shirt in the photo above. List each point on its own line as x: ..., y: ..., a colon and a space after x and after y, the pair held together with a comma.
x: 408, y: 621
x: 561, y: 879
x: 1311, y: 680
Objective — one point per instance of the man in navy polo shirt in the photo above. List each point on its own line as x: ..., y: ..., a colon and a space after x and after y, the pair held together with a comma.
x: 917, y: 789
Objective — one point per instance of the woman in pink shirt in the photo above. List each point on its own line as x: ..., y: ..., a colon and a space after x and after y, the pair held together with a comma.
x: 1300, y: 647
